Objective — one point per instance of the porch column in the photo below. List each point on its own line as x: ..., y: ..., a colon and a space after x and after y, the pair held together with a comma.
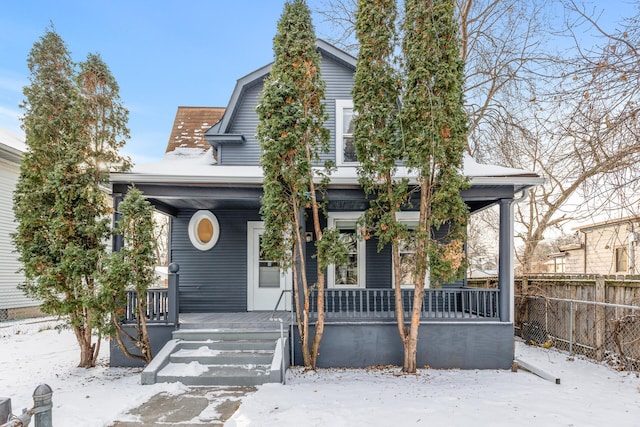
x: 505, y: 262
x: 116, y: 240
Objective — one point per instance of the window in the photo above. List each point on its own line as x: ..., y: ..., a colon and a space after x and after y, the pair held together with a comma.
x: 268, y: 270
x: 352, y: 273
x: 345, y: 148
x: 204, y: 230
x: 622, y: 259
x: 407, y: 249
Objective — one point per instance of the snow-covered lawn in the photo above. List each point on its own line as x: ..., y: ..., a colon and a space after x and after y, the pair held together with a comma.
x: 589, y: 394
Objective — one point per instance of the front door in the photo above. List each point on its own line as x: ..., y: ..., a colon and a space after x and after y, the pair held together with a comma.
x: 265, y: 280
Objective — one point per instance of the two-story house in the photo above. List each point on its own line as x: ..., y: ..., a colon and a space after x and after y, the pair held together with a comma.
x: 213, y: 197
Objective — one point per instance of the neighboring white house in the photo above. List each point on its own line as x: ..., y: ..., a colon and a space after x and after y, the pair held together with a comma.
x: 607, y: 247
x: 13, y: 303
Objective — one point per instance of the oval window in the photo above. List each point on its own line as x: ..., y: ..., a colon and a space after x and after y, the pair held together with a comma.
x: 204, y: 230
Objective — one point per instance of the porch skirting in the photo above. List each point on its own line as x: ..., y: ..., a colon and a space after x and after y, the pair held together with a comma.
x: 441, y: 345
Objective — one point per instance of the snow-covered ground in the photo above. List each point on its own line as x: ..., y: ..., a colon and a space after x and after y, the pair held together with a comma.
x: 589, y: 394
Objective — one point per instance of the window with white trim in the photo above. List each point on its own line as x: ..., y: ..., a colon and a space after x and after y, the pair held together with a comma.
x: 345, y: 147
x: 352, y: 273
x: 204, y: 230
x: 407, y: 249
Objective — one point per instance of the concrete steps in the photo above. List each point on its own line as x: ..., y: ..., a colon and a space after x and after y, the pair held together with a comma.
x: 219, y: 356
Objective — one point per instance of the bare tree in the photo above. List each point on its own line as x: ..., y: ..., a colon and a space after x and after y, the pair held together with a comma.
x: 569, y: 115
x: 161, y: 236
x: 583, y: 135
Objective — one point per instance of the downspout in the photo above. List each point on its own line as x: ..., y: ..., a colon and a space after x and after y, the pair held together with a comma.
x: 584, y: 265
x: 631, y: 240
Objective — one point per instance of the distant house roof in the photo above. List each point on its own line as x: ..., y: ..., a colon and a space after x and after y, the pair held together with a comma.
x: 608, y: 223
x: 190, y: 125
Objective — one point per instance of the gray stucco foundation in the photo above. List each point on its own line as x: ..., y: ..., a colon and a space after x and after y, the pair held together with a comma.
x: 159, y: 335
x: 441, y: 345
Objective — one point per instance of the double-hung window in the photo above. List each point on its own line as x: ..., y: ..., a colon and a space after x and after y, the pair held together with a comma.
x: 345, y: 148
x: 352, y: 273
x: 407, y: 249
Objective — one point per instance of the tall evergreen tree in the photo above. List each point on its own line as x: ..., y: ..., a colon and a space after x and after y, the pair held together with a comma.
x: 60, y: 208
x: 376, y: 96
x: 133, y: 266
x: 292, y: 136
x: 434, y: 127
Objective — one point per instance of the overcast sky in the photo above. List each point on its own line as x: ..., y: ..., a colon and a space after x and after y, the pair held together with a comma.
x: 164, y: 54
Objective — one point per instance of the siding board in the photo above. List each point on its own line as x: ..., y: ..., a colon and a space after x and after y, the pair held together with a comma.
x: 338, y: 80
x: 213, y: 280
x: 10, y: 277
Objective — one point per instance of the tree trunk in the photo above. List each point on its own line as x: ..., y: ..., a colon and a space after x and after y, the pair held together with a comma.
x: 87, y: 356
x: 143, y: 335
x: 303, y: 321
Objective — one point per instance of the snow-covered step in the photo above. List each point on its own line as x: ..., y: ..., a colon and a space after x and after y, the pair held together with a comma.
x: 225, y: 334
x: 197, y: 374
x: 202, y: 357
x: 230, y: 344
x: 207, y: 356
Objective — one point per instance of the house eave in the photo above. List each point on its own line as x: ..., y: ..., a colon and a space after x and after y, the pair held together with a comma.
x: 239, y: 176
x: 10, y: 154
x: 216, y: 140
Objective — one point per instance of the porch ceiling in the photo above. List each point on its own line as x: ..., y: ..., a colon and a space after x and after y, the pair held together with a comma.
x: 173, y: 198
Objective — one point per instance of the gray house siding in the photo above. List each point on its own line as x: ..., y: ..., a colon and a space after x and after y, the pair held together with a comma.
x: 213, y: 280
x: 339, y: 81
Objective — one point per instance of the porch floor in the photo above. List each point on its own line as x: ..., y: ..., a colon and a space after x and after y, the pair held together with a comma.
x: 263, y: 320
x: 240, y: 320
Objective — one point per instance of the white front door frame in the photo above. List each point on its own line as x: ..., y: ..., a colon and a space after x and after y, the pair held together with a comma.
x: 263, y: 299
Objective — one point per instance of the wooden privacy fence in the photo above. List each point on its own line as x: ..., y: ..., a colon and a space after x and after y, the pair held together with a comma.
x: 595, y: 316
x: 623, y: 290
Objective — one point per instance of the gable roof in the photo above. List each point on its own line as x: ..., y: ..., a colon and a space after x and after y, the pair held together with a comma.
x: 189, y: 127
x: 258, y: 76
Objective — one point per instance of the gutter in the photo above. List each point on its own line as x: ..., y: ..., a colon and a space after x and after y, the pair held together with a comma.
x: 526, y: 181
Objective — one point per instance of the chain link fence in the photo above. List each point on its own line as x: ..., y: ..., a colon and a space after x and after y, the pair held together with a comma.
x: 601, y: 331
x: 9, y: 314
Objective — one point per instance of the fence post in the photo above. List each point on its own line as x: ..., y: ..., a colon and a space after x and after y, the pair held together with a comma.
x: 571, y: 327
x: 5, y: 409
x: 174, y: 302
x: 600, y: 321
x: 42, y: 406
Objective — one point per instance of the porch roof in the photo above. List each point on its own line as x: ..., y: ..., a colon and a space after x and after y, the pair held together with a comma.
x: 195, y: 166
x: 185, y: 179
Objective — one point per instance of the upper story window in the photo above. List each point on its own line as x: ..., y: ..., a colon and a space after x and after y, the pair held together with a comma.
x: 345, y: 147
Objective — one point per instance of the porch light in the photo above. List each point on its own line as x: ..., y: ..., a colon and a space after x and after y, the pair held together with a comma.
x: 204, y: 230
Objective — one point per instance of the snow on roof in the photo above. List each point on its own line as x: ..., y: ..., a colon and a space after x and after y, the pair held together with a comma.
x: 13, y: 140
x: 189, y: 165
